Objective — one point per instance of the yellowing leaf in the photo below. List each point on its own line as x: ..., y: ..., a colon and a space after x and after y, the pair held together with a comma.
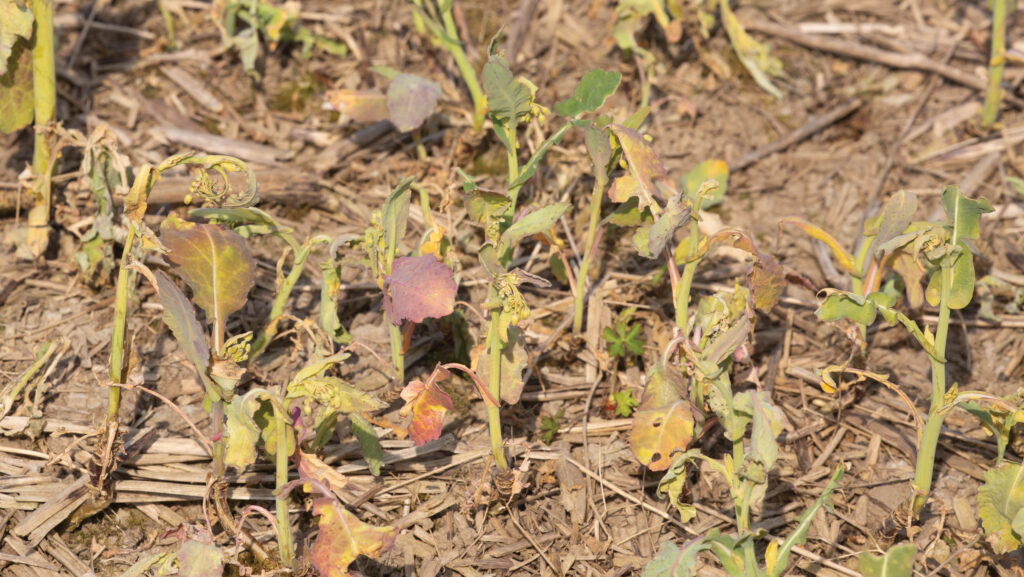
x: 663, y: 422
x: 313, y: 467
x: 419, y: 287
x: 711, y: 169
x: 427, y: 404
x: 343, y: 537
x: 843, y: 258
x: 754, y: 55
x: 432, y: 245
x: 15, y: 22
x: 644, y: 167
x: 241, y: 433
x: 199, y: 559
x: 359, y: 105
x: 897, y: 562
x: 1001, y: 507
x: 214, y: 261
x: 16, y: 89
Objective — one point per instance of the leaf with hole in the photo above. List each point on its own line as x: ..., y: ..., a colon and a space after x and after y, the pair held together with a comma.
x: 419, y: 287
x: 663, y: 422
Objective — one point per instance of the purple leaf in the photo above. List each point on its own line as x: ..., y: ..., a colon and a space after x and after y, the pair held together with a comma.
x: 419, y: 287
x: 411, y: 100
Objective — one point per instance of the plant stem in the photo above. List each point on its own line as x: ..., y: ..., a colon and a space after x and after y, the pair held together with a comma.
x: 269, y: 331
x: 454, y: 46
x: 397, y: 358
x: 284, y: 529
x: 117, y: 365
x: 44, y: 90
x: 689, y: 269
x: 588, y: 254
x: 997, y: 61
x: 494, y: 387
x: 933, y: 425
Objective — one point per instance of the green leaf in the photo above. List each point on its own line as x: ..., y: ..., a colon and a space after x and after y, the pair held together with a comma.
x: 624, y: 402
x: 507, y: 98
x: 963, y: 282
x: 242, y: 432
x: 180, y: 317
x: 17, y: 105
x: 964, y: 214
x: 530, y: 167
x: 369, y: 443
x: 799, y: 534
x: 411, y: 100
x: 713, y: 169
x: 513, y: 364
x: 897, y: 214
x: 1000, y: 503
x: 15, y: 22
x: 396, y: 214
x: 535, y: 222
x: 675, y: 481
x: 594, y: 88
x: 897, y: 562
x: 844, y: 305
x: 765, y: 428
x: 674, y: 561
x: 334, y: 394
x: 663, y: 422
x: 214, y: 261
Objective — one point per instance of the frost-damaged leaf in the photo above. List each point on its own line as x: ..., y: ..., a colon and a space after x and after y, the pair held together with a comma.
x: 677, y: 213
x: 964, y: 213
x: 199, y: 559
x: 644, y: 168
x: 594, y: 88
x: 369, y: 443
x: 535, y: 222
x: 599, y: 150
x: 16, y: 90
x: 343, y: 537
x: 427, y: 404
x: 674, y: 561
x: 411, y: 100
x: 180, y: 317
x: 15, y: 22
x: 673, y: 484
x: 912, y: 273
x: 241, y: 433
x: 767, y: 282
x: 513, y: 363
x: 313, y: 467
x: 754, y: 55
x: 419, y: 287
x: 507, y: 97
x: 334, y: 394
x: 663, y: 422
x: 214, y: 261
x: 897, y: 562
x: 359, y: 105
x: 766, y: 426
x: 1001, y: 507
x: 843, y: 258
x: 897, y: 214
x: 714, y: 169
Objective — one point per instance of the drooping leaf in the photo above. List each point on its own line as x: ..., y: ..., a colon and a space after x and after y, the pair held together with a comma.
x: 513, y: 363
x: 897, y: 562
x: 507, y: 98
x: 964, y: 214
x: 313, y: 467
x: 343, y: 537
x: 799, y: 534
x: 675, y: 482
x: 600, y: 152
x: 754, y: 55
x: 180, y: 317
x: 369, y: 443
x: 766, y: 425
x: 675, y: 561
x: 419, y: 287
x: 663, y: 422
x: 677, y: 213
x: 844, y: 305
x: 427, y: 404
x: 843, y: 258
x: 242, y: 432
x: 912, y: 273
x: 411, y: 100
x: 897, y: 214
x: 15, y: 22
x: 214, y: 261
x: 711, y: 169
x: 360, y: 105
x: 594, y: 88
x: 644, y: 168
x: 17, y: 105
x: 1001, y: 506
x: 199, y: 559
x: 395, y: 215
x: 535, y: 222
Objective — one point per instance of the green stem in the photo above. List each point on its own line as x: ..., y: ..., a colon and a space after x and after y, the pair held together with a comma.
x: 512, y: 154
x: 397, y: 358
x: 44, y: 90
x: 454, y: 46
x: 689, y: 269
x: 588, y: 254
x: 269, y: 331
x: 117, y: 365
x: 997, y: 62
x: 284, y: 528
x: 219, y: 446
x: 494, y: 387
x: 933, y: 425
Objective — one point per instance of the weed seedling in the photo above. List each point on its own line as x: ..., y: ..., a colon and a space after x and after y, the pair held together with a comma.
x: 29, y: 92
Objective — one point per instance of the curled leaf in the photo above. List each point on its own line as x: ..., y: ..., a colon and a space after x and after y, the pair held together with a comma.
x: 419, y: 287
x: 644, y: 168
x: 428, y: 405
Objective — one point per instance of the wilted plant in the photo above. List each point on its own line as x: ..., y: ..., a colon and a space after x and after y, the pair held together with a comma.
x: 28, y: 91
x: 939, y: 252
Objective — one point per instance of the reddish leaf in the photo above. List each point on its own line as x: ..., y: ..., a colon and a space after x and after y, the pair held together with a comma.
x: 314, y: 467
x: 214, y: 261
x: 359, y: 105
x: 343, y: 537
x: 199, y: 559
x: 427, y: 404
x: 644, y: 168
x: 411, y: 100
x: 663, y: 422
x: 419, y: 287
